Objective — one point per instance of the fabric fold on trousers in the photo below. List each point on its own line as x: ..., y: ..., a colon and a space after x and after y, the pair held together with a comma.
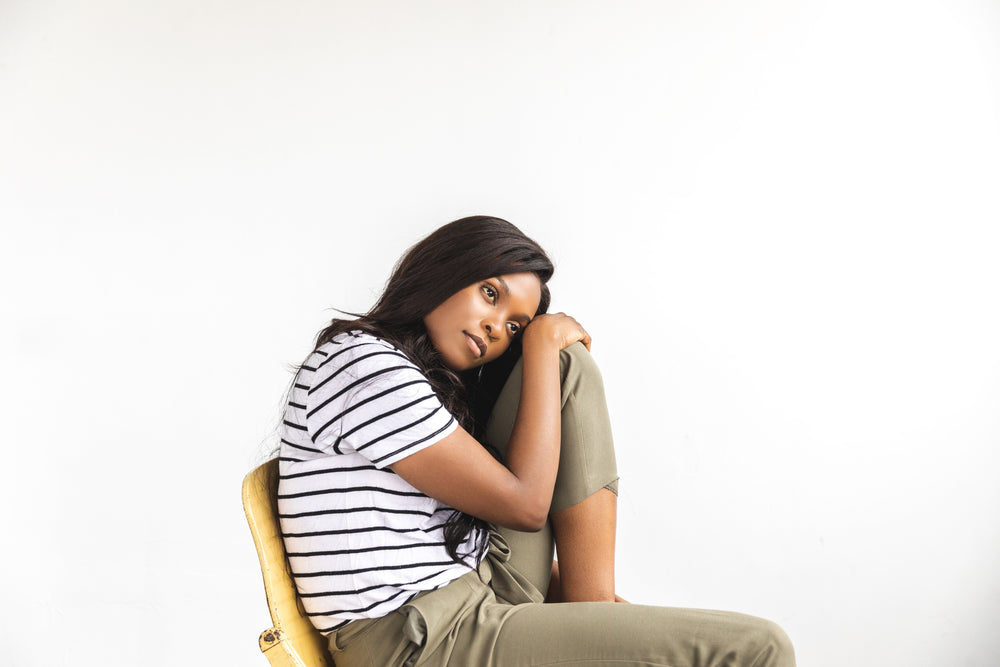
x: 430, y: 618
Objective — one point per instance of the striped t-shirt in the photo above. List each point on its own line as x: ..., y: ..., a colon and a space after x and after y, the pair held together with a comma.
x: 361, y: 541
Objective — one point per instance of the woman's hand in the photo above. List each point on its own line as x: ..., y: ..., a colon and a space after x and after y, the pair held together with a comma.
x: 555, y: 329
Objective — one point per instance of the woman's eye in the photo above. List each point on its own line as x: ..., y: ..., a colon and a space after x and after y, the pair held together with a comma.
x: 514, y: 328
x: 490, y: 293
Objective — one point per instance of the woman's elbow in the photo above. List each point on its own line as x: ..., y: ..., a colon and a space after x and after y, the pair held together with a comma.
x: 530, y: 519
x: 530, y: 526
x: 522, y: 509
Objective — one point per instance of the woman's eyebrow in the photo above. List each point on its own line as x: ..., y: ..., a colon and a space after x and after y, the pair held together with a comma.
x: 506, y: 289
x: 504, y: 285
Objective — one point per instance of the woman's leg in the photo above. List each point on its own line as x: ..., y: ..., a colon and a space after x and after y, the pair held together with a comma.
x: 469, y: 626
x: 623, y: 635
x: 585, y: 542
x: 582, y: 518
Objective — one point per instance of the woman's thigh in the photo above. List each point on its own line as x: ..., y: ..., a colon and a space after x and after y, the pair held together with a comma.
x: 616, y: 634
x: 477, y: 629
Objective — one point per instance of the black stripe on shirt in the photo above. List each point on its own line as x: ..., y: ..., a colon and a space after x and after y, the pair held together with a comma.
x: 404, y: 566
x: 378, y: 417
x: 417, y: 442
x: 338, y: 626
x: 357, y: 591
x: 352, y: 362
x: 342, y: 624
x: 336, y: 354
x: 307, y: 449
x: 381, y: 371
x: 389, y: 434
x: 341, y: 552
x: 349, y: 489
x: 367, y: 529
x: 375, y: 397
x: 340, y: 612
x: 350, y: 510
x: 325, y: 471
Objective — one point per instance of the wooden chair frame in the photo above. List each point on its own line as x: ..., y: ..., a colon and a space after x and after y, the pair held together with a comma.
x: 293, y: 641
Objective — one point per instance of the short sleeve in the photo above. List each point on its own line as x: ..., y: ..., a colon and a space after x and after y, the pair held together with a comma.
x: 367, y: 397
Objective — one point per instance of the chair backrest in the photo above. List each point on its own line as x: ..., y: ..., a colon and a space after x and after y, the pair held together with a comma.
x: 294, y: 640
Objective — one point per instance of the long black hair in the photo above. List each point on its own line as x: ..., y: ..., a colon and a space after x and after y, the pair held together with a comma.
x: 450, y: 259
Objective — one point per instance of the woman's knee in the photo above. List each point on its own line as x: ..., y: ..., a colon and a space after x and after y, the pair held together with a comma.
x: 587, y: 451
x: 768, y: 645
x: 576, y: 367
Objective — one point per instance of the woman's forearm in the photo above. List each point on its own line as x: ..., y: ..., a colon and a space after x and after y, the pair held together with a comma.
x: 533, y: 451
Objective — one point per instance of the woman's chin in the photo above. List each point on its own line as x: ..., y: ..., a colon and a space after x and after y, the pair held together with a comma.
x: 458, y: 365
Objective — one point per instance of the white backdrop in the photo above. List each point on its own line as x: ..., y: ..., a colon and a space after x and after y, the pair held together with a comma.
x: 779, y: 220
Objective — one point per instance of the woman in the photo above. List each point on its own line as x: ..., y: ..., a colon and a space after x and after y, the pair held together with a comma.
x: 433, y: 452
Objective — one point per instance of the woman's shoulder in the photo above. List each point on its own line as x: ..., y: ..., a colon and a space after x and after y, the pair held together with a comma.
x: 348, y: 342
x: 359, y: 354
x: 359, y: 392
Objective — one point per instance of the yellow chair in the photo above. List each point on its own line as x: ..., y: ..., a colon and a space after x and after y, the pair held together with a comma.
x: 293, y: 641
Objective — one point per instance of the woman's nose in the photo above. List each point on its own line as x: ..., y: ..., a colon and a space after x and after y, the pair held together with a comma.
x: 491, y: 325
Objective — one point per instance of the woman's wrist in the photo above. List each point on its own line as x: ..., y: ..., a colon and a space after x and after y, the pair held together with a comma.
x: 541, y: 342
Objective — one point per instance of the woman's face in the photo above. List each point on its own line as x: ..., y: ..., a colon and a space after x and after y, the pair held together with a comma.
x: 477, y: 324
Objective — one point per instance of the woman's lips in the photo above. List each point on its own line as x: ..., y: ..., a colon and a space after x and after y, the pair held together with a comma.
x: 476, y: 344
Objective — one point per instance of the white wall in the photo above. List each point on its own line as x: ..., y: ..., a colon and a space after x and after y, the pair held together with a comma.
x: 779, y: 220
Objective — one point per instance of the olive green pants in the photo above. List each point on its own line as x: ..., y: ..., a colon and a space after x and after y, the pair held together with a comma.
x: 493, y: 617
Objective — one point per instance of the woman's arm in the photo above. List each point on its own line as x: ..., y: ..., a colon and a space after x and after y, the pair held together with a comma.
x: 459, y: 471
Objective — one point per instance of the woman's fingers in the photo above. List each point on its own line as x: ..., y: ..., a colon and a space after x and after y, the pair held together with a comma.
x: 575, y: 332
x: 561, y: 328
